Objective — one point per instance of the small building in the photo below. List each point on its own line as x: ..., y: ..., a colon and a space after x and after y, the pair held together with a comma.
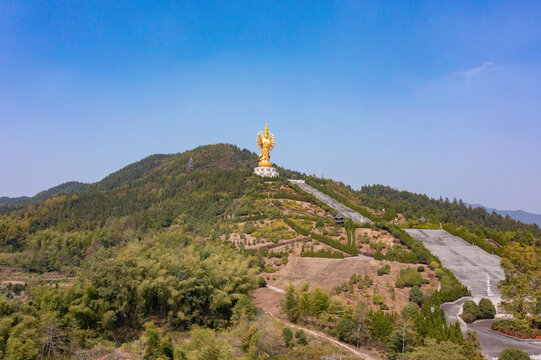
x: 422, y: 219
x: 339, y: 219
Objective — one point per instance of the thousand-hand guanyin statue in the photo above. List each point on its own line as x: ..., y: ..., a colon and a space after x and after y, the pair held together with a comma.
x: 265, y: 142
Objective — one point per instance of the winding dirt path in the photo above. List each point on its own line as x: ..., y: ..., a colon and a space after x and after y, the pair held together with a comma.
x: 268, y: 301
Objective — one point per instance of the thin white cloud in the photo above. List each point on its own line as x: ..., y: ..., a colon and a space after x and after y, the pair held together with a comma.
x: 477, y: 69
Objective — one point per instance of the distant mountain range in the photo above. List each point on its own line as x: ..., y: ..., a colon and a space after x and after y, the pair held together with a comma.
x: 65, y: 188
x: 520, y: 215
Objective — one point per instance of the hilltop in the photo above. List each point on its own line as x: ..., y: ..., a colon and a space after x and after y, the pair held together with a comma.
x: 65, y: 188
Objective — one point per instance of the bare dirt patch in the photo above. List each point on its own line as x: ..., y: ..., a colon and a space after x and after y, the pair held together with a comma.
x: 328, y: 273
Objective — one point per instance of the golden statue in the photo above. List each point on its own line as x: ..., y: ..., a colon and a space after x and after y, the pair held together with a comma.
x: 265, y: 142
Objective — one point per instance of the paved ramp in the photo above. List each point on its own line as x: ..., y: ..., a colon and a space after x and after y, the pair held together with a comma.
x: 469, y: 263
x: 341, y: 208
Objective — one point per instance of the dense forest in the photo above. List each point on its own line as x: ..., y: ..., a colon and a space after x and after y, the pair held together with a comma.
x: 139, y: 263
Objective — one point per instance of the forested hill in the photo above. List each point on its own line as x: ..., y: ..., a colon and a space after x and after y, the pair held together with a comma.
x: 65, y: 188
x: 414, y: 206
x: 149, y: 194
x: 154, y: 167
x: 476, y: 225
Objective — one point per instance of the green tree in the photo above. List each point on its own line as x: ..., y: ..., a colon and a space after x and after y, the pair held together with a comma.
x: 400, y: 341
x: 166, y: 347
x: 416, y: 295
x: 152, y: 342
x: 291, y: 304
x: 243, y: 308
x: 521, y: 288
x: 410, y: 311
x: 444, y: 350
x: 346, y: 330
x: 513, y: 354
x: 472, y: 347
x: 319, y: 301
x: 381, y: 325
x: 287, y: 333
x: 487, y: 309
x: 300, y: 335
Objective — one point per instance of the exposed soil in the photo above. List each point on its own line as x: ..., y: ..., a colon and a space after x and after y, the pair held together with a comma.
x: 328, y: 273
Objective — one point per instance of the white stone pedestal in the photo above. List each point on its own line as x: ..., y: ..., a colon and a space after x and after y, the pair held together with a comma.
x: 266, y: 171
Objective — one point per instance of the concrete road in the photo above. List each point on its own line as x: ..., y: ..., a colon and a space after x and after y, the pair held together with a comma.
x: 341, y: 208
x: 453, y: 309
x: 469, y: 263
x: 494, y: 344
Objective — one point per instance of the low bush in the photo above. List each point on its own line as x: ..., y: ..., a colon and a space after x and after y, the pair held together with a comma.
x: 287, y: 333
x: 386, y: 269
x: 487, y: 309
x: 269, y: 269
x: 377, y: 299
x: 420, y: 268
x: 520, y: 328
x: 323, y: 254
x: 300, y: 335
x: 410, y: 277
x: 513, y: 354
x: 297, y: 227
x: 350, y: 249
x: 470, y: 311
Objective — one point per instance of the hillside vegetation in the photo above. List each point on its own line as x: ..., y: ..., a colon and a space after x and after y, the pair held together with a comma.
x: 160, y: 261
x: 65, y: 188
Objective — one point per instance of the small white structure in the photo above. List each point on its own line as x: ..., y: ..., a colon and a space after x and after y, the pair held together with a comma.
x: 488, y: 292
x: 266, y: 171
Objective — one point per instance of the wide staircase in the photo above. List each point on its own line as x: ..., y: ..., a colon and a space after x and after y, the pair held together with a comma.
x: 339, y: 207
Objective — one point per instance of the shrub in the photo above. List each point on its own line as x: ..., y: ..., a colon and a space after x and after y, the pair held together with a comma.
x: 513, y: 354
x: 297, y: 227
x: 248, y: 228
x: 377, y: 299
x: 416, y: 295
x: 470, y: 311
x: 287, y: 333
x: 261, y: 282
x: 269, y: 269
x: 346, y: 329
x: 384, y: 270
x: 468, y: 317
x: 410, y: 277
x: 487, y: 309
x: 322, y: 253
x: 243, y: 308
x: 380, y: 245
x: 350, y: 249
x: 420, y: 268
x: 378, y: 255
x: 300, y: 335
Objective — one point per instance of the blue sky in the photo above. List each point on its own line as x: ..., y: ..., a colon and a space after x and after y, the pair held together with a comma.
x: 435, y: 97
